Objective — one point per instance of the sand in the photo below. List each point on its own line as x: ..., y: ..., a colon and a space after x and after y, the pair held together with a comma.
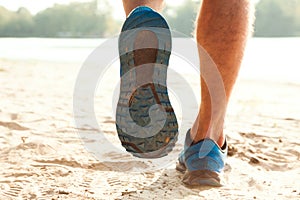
x: 42, y: 156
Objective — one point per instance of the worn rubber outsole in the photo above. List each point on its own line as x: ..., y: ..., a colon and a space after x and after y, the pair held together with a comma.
x: 199, y: 177
x: 145, y: 120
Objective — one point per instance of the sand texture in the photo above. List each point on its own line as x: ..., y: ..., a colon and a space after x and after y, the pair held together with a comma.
x: 42, y: 155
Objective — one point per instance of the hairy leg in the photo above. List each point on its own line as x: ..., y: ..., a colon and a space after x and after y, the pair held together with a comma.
x: 129, y: 5
x: 222, y: 29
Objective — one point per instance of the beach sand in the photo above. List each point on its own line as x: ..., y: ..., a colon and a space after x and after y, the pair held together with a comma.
x: 42, y: 155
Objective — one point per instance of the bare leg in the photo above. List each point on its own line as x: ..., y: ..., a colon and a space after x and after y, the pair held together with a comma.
x: 129, y: 5
x: 223, y: 27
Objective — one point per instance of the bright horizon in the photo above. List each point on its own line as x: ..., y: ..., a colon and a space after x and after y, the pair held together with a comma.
x: 34, y: 6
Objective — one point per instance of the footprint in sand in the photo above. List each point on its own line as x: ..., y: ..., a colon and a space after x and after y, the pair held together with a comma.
x: 11, y: 191
x: 271, y: 153
x: 29, y: 151
x: 19, y: 191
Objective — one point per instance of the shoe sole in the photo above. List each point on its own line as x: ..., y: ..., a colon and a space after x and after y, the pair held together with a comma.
x: 199, y: 177
x: 139, y: 92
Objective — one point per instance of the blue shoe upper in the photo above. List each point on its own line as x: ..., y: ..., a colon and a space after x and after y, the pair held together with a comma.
x: 144, y: 17
x: 204, y: 155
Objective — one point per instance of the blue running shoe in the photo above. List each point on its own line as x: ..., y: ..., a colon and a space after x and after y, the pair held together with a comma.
x: 202, y: 163
x: 145, y: 120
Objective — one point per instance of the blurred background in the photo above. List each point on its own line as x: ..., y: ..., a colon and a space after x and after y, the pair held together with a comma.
x: 68, y: 31
x: 103, y: 18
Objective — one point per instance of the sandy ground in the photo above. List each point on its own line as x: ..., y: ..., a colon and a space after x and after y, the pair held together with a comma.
x: 42, y: 156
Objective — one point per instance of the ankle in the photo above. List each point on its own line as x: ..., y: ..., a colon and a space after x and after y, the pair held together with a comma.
x: 198, y: 135
x: 221, y: 140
